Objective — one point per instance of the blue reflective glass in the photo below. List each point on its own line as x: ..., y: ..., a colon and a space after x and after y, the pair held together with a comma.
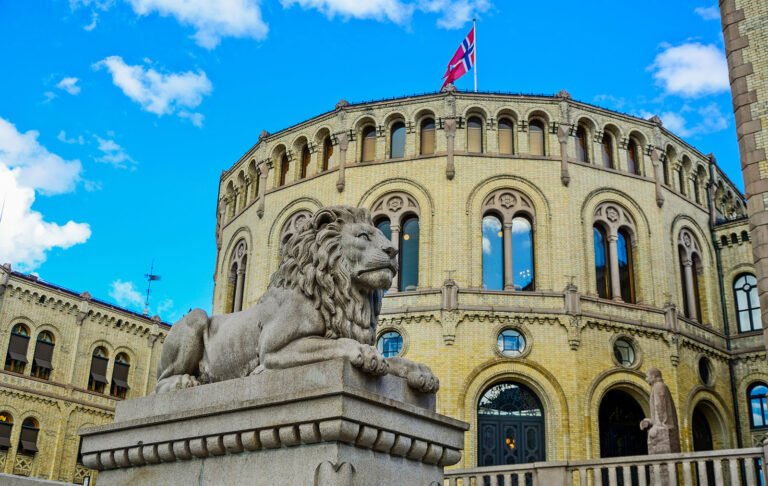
x: 493, y: 254
x: 397, y: 144
x: 390, y: 344
x: 409, y: 255
x: 522, y: 254
x: 601, y: 260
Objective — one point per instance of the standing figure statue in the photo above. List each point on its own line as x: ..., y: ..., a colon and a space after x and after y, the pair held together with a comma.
x: 663, y: 432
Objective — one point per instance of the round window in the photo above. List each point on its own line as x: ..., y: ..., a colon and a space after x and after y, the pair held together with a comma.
x: 705, y: 371
x: 511, y: 342
x: 390, y: 344
x: 624, y: 352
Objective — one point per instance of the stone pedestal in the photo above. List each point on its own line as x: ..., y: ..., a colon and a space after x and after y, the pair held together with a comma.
x: 322, y: 424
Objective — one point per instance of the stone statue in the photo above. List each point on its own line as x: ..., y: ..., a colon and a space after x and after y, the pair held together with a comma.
x: 663, y: 433
x: 322, y: 303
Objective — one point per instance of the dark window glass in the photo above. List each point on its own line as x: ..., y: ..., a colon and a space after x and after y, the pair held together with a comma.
x: 385, y: 227
x: 705, y: 371
x: 493, y: 253
x: 327, y: 153
x: 665, y: 172
x: 427, y: 136
x: 582, y: 153
x: 369, y: 144
x: 6, y: 427
x: 285, y: 166
x: 633, y: 161
x: 16, y: 358
x: 684, y: 280
x: 43, y: 358
x: 390, y: 344
x: 624, y: 352
x: 397, y: 142
x: 758, y: 405
x: 474, y: 135
x: 409, y: 255
x: 522, y: 254
x: 696, y: 189
x: 744, y: 236
x: 120, y: 376
x: 506, y: 136
x: 747, y: 303
x: 536, y: 137
x: 697, y: 268
x: 510, y: 399
x: 681, y: 180
x: 607, y: 149
x: 602, y: 272
x: 626, y: 277
x: 28, y: 437
x: 97, y: 379
x: 306, y: 157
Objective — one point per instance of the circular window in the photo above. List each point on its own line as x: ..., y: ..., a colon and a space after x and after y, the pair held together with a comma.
x: 624, y: 352
x: 390, y: 344
x: 705, y: 371
x: 511, y: 342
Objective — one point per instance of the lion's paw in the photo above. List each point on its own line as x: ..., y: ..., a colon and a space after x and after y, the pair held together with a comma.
x: 423, y: 379
x: 370, y: 361
x: 187, y: 381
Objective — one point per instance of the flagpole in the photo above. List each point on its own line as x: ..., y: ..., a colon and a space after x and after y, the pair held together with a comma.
x: 474, y: 27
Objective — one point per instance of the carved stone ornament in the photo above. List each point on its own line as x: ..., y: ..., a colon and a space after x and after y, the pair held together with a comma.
x: 264, y: 134
x: 687, y: 240
x: 395, y: 206
x: 508, y: 203
x: 294, y: 224
x: 448, y: 88
x: 612, y: 214
x: 563, y: 94
x: 329, y: 286
x: 614, y: 217
x: 342, y: 104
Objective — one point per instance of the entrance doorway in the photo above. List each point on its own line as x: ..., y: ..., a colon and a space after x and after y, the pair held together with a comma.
x: 620, y: 434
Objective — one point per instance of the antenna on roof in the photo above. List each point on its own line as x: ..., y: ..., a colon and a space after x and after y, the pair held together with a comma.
x: 150, y: 278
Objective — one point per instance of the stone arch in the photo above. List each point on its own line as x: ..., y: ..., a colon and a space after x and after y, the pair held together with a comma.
x: 294, y: 224
x: 418, y: 119
x: 398, y: 207
x: 243, y: 232
x: 716, y: 412
x: 278, y: 223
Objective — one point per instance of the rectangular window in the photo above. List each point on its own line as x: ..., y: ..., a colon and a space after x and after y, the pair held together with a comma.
x: 98, y: 378
x: 474, y: 140
x: 5, y: 435
x: 41, y: 363
x: 28, y: 440
x: 120, y: 380
x: 427, y: 141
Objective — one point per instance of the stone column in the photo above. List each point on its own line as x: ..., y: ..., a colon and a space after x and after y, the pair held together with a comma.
x: 690, y: 296
x: 263, y: 173
x: 656, y: 156
x: 449, y: 125
x: 613, y: 258
x: 395, y: 229
x: 562, y: 137
x: 509, y: 278
x: 343, y: 140
x: 239, y: 283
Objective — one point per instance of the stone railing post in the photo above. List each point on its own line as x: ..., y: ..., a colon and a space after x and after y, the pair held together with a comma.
x: 449, y: 126
x: 263, y: 171
x: 343, y: 141
x: 562, y: 137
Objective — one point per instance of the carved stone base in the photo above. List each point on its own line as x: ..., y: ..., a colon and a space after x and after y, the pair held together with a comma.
x: 323, y: 424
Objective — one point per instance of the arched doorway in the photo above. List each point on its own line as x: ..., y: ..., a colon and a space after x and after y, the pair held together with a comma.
x: 510, y: 426
x: 702, y: 432
x: 620, y: 434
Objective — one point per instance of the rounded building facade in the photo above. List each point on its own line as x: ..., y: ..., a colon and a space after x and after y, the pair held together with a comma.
x: 550, y: 253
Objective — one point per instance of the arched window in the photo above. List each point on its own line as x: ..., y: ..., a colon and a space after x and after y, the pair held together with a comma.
x: 43, y: 358
x: 536, y: 137
x: 614, y: 266
x: 665, y: 171
x: 758, y: 405
x: 397, y: 140
x: 506, y: 136
x: 744, y: 236
x: 602, y: 272
x: 507, y: 241
x: 633, y: 157
x: 618, y: 416
x: 28, y: 437
x: 120, y: 370
x: 624, y: 246
x: 97, y: 379
x: 16, y: 358
x: 747, y: 303
x: 723, y: 241
x: 397, y: 216
x: 236, y: 278
x: 6, y: 428
x: 475, y: 135
x: 607, y: 150
x: 327, y: 153
x: 306, y: 157
x: 689, y: 253
x: 285, y: 166
x: 734, y: 239
x: 409, y: 254
x: 385, y: 227
x: 582, y: 150
x: 427, y: 136
x: 681, y: 181
x: 369, y: 144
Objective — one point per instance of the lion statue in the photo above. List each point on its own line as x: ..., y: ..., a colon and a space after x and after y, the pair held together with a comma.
x: 322, y: 303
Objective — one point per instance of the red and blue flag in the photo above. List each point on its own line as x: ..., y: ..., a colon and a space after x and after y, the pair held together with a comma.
x: 462, y: 61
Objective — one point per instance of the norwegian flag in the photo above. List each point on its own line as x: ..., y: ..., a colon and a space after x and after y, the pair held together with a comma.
x: 462, y: 61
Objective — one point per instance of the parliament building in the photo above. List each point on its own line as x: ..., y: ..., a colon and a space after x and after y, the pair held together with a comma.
x: 550, y: 253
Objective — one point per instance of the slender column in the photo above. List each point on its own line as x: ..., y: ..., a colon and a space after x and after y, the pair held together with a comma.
x: 658, y: 176
x: 449, y: 126
x: 239, y: 289
x: 396, y: 243
x: 343, y: 140
x: 263, y: 172
x: 690, y: 297
x: 509, y: 278
x: 562, y: 137
x: 613, y: 257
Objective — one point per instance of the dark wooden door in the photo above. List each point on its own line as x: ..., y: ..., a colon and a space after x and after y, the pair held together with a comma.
x: 510, y: 440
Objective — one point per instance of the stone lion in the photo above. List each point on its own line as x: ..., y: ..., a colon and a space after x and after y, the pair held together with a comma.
x: 322, y: 303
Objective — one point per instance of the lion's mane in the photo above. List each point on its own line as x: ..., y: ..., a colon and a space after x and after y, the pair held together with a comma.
x: 312, y: 261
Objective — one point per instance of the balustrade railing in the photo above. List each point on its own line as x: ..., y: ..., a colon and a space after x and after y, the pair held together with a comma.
x: 731, y: 467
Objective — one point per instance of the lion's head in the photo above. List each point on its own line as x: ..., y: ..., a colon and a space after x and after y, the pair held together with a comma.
x: 341, y: 261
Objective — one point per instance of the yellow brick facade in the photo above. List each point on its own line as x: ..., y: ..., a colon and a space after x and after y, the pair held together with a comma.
x: 568, y: 362
x: 62, y: 404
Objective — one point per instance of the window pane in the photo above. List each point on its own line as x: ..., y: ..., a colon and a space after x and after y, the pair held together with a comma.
x: 686, y: 310
x: 427, y: 136
x: 757, y: 321
x: 506, y: 137
x: 625, y: 267
x: 632, y: 163
x: 327, y: 153
x: 601, y: 261
x: 510, y: 342
x: 397, y: 144
x: 522, y: 254
x: 581, y: 144
x: 306, y: 156
x: 390, y: 344
x: 385, y: 227
x: 744, y: 324
x: 607, y: 151
x: 493, y: 254
x: 369, y: 144
x: 474, y: 135
x: 409, y: 255
x: 536, y: 138
x: 757, y: 412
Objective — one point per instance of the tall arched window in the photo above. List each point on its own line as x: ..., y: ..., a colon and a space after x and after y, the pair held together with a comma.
x: 369, y: 144
x: 120, y: 369
x: 607, y: 150
x: 681, y: 181
x: 689, y: 253
x: 536, y: 137
x: 236, y: 279
x: 747, y: 303
x: 6, y: 428
x: 306, y: 157
x: 475, y: 134
x: 582, y: 150
x: 97, y: 379
x: 285, y: 167
x: 696, y: 188
x: 327, y: 153
x: 613, y: 232
x: 506, y: 136
x: 397, y: 140
x: 427, y: 136
x: 665, y: 171
x: 757, y: 395
x: 43, y: 358
x: 28, y: 437
x: 633, y: 157
x: 397, y: 216
x: 16, y: 358
x: 507, y: 241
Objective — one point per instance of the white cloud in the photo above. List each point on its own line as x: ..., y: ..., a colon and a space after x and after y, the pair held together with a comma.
x: 691, y: 70
x: 195, y: 118
x: 62, y: 137
x: 708, y: 13
x: 486, y: 246
x: 708, y: 119
x: 113, y: 154
x: 26, y: 167
x: 455, y: 13
x: 156, y: 92
x: 49, y: 96
x: 125, y: 294
x: 211, y: 19
x: 69, y: 85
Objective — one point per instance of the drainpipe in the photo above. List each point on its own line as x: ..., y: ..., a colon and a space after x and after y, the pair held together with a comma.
x: 726, y: 326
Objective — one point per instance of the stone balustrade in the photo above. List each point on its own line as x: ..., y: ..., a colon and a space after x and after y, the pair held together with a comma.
x: 711, y: 468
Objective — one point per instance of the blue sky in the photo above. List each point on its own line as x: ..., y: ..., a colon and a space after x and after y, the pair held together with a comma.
x: 118, y: 116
